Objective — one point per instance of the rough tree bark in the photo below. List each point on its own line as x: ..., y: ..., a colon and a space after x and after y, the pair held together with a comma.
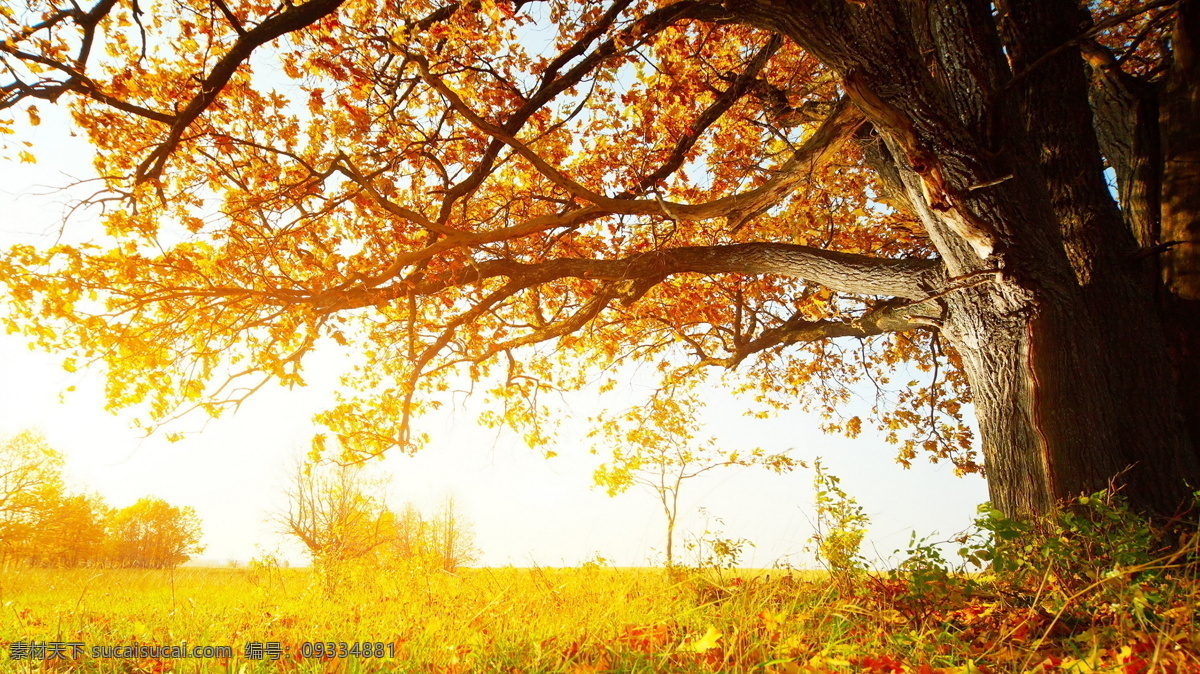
x: 1073, y: 379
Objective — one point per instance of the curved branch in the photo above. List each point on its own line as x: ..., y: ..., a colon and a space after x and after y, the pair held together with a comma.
x: 883, y: 318
x: 740, y: 86
x: 16, y: 90
x: 567, y: 326
x: 838, y: 127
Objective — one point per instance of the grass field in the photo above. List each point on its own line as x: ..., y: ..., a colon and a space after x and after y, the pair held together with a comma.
x: 592, y: 619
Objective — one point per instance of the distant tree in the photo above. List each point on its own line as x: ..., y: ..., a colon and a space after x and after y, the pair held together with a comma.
x: 154, y: 534
x: 655, y: 447
x: 44, y: 525
x: 338, y: 513
x: 30, y: 484
x: 444, y: 541
x: 453, y: 536
x: 411, y: 539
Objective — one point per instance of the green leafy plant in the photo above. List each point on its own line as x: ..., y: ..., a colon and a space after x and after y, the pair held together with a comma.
x: 712, y: 550
x: 840, y: 527
x: 1093, y: 564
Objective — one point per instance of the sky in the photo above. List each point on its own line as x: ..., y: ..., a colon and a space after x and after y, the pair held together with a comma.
x: 526, y: 509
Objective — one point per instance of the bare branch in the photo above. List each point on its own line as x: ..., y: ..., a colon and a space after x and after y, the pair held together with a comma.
x: 883, y: 318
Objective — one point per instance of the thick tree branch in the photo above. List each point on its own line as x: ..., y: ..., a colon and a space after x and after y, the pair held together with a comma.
x: 1125, y: 113
x: 916, y: 280
x: 292, y: 19
x: 1086, y: 36
x: 912, y: 279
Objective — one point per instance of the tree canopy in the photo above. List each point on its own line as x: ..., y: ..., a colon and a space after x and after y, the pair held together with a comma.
x: 818, y: 193
x: 154, y: 534
x: 30, y: 484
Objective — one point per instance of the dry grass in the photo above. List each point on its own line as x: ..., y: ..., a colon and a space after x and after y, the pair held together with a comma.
x: 595, y: 620
x: 1092, y: 588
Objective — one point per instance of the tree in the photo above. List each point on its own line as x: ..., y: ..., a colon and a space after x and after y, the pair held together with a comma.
x: 453, y: 536
x: 818, y: 192
x: 655, y: 447
x: 338, y: 513
x: 153, y: 534
x: 445, y: 541
x: 412, y: 535
x: 30, y: 487
x: 72, y: 532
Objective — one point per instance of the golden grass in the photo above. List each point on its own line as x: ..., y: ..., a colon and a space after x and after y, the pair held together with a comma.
x: 564, y: 620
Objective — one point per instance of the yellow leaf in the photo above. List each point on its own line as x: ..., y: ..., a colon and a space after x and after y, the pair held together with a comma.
x: 27, y: 158
x: 1076, y: 666
x: 968, y: 668
x: 706, y: 642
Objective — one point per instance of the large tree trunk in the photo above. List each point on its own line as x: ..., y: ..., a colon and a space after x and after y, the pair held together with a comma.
x: 1056, y: 320
x: 1071, y: 382
x: 1179, y: 130
x: 1150, y: 134
x: 1096, y: 382
x: 1065, y: 406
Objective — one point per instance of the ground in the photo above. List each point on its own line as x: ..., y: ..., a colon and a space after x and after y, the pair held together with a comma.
x: 598, y: 619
